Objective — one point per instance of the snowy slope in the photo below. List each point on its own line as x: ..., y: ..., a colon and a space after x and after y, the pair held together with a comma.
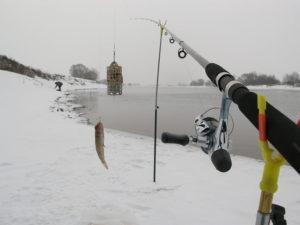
x: 50, y: 172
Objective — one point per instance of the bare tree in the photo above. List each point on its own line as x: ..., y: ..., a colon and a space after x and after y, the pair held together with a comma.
x: 78, y: 70
x: 209, y: 83
x: 291, y: 79
x: 81, y: 71
x: 91, y: 74
x: 199, y: 82
x: 253, y: 78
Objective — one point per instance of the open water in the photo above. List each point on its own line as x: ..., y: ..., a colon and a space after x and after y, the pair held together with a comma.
x: 178, y: 106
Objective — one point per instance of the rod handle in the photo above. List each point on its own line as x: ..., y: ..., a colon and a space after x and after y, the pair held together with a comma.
x: 282, y: 132
x: 181, y: 139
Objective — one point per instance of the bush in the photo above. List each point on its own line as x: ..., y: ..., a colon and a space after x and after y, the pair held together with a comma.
x: 81, y: 71
x: 291, y: 79
x: 91, y: 75
x: 209, y: 83
x: 253, y: 78
x: 199, y: 82
x: 12, y: 65
x: 78, y: 70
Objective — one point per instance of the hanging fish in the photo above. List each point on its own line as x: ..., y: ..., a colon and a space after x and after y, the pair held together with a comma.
x: 99, y: 140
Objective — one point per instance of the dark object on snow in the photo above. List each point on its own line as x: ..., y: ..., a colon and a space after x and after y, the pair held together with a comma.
x: 277, y: 215
x: 59, y: 85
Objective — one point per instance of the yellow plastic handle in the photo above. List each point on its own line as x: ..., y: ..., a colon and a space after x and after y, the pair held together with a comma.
x: 272, y: 164
x: 271, y: 169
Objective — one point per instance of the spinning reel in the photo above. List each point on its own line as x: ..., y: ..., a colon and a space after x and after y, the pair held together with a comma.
x: 212, y: 136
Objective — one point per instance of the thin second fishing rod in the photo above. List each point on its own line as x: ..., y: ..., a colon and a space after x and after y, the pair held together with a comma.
x: 156, y: 93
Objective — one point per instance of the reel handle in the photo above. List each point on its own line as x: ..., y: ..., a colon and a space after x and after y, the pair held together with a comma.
x: 221, y: 160
x: 175, y: 138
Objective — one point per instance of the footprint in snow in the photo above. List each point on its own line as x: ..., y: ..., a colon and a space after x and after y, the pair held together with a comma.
x: 140, y: 207
x: 115, y: 191
x: 110, y: 216
x: 137, y: 166
x: 160, y: 163
x: 5, y: 164
x: 159, y: 189
x: 141, y: 161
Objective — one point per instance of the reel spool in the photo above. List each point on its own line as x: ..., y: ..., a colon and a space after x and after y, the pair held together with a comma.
x: 205, y: 128
x: 215, y: 134
x: 212, y: 136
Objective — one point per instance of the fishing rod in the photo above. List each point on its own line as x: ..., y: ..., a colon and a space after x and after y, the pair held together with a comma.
x: 212, y: 135
x: 281, y: 131
x: 156, y: 93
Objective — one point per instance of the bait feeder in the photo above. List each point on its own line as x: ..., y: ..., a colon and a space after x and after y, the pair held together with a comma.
x: 182, y: 53
x: 171, y: 40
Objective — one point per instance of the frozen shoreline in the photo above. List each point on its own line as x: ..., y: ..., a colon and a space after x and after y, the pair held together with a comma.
x: 50, y: 172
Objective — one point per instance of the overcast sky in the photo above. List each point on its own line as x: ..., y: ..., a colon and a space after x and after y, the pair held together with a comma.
x: 241, y: 36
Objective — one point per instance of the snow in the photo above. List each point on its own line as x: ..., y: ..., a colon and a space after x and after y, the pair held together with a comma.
x: 50, y: 172
x: 274, y: 87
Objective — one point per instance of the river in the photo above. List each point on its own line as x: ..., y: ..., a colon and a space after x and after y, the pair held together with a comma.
x: 178, y: 106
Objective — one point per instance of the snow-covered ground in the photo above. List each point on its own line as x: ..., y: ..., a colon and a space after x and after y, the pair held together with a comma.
x: 50, y: 172
x: 274, y: 87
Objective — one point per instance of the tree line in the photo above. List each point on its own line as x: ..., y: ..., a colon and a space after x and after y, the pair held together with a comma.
x: 81, y: 71
x: 77, y: 70
x: 12, y: 65
x: 253, y: 78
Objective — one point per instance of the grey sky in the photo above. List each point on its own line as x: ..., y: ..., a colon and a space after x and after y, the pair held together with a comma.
x: 240, y: 35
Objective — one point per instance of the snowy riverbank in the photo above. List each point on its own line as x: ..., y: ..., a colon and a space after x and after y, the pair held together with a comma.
x: 50, y: 172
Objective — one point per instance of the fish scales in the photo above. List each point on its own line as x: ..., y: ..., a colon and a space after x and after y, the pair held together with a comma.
x: 99, y: 141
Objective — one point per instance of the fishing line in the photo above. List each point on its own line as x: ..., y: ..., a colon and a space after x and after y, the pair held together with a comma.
x: 187, y: 68
x: 114, y: 25
x: 212, y: 108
